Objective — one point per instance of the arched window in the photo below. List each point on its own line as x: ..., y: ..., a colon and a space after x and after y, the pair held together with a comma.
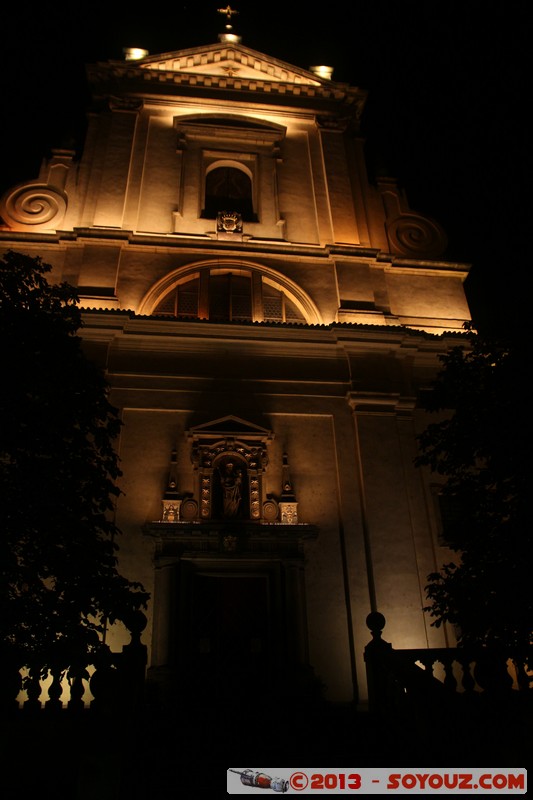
x: 182, y: 302
x: 230, y: 297
x: 232, y: 293
x: 228, y: 189
x: 277, y: 307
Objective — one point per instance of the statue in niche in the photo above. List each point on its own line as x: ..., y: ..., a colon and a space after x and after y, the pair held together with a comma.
x: 231, y: 482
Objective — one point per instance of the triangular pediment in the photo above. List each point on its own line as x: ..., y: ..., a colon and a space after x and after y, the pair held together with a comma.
x: 229, y: 426
x: 230, y: 60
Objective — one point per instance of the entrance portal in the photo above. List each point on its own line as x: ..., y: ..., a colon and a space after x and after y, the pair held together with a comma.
x: 230, y: 635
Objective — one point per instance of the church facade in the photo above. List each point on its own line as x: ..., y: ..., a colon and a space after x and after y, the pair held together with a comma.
x: 267, y: 317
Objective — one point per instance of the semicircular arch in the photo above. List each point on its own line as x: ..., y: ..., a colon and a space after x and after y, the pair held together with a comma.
x: 229, y: 163
x: 168, y: 283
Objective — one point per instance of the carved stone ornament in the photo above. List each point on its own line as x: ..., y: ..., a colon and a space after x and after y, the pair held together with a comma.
x: 270, y: 510
x: 125, y: 103
x: 171, y: 510
x: 189, y: 509
x: 229, y: 222
x: 229, y: 458
x: 416, y: 236
x: 288, y: 513
x: 33, y: 206
x: 337, y: 124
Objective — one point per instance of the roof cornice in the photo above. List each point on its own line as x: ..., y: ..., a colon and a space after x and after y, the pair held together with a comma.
x: 115, y: 79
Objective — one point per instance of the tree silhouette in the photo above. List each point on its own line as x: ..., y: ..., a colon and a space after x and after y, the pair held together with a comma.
x: 60, y: 584
x: 481, y: 448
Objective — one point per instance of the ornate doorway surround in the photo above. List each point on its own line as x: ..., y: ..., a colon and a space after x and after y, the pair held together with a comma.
x: 229, y: 599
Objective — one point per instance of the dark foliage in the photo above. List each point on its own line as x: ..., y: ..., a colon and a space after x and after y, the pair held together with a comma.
x: 58, y: 468
x: 481, y: 448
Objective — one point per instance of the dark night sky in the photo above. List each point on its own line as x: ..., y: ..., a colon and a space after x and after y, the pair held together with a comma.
x: 448, y: 87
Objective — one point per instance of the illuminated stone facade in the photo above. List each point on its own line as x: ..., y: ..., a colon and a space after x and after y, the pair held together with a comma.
x: 267, y: 317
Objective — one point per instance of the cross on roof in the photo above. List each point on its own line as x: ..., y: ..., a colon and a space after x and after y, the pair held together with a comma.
x: 228, y: 11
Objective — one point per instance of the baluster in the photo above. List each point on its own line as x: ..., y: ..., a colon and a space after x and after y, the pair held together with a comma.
x: 32, y: 684
x: 467, y: 681
x: 428, y: 660
x: 55, y: 691
x: 450, y: 681
x: 76, y: 675
x: 522, y: 678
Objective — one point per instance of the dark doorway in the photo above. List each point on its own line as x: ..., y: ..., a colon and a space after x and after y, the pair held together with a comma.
x: 230, y: 634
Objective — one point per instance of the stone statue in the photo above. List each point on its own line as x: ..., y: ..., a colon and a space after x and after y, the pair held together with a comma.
x: 231, y: 481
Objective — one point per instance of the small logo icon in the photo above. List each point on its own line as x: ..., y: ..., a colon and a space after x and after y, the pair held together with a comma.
x: 261, y: 781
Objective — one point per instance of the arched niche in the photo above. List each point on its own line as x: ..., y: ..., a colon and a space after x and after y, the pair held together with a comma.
x: 229, y: 457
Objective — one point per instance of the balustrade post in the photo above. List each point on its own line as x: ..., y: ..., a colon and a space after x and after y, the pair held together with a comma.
x: 490, y: 672
x: 377, y: 658
x: 105, y: 684
x: 133, y: 660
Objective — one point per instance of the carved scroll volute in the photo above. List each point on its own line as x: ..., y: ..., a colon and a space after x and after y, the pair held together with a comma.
x: 33, y: 207
x: 416, y: 236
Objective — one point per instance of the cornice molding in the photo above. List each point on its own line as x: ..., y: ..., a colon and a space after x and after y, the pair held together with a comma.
x: 118, y: 79
x: 230, y: 540
x: 124, y: 321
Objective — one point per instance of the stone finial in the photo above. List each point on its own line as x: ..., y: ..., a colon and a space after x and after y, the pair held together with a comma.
x: 375, y: 622
x: 171, y: 499
x: 288, y: 506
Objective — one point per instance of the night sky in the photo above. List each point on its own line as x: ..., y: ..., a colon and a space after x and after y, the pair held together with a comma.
x: 447, y: 114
